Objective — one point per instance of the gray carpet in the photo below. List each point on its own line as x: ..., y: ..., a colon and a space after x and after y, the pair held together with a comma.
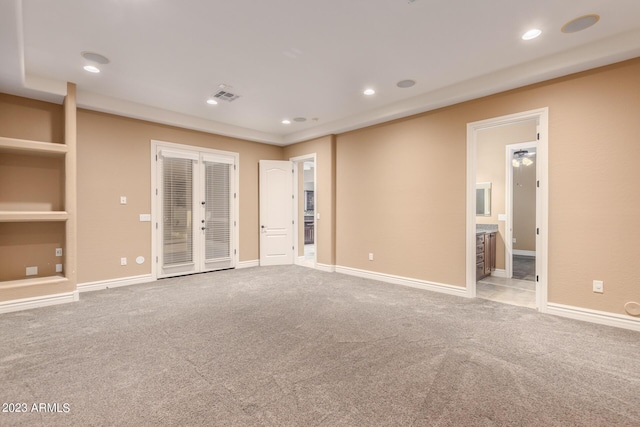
x: 288, y: 346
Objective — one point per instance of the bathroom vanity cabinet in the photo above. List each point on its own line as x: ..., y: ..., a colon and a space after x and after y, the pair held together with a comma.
x: 485, y: 254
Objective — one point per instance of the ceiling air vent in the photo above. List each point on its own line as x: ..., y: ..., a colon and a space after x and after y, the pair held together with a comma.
x: 226, y: 96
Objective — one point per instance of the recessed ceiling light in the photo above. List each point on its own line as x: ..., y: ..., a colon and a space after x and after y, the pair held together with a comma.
x: 531, y: 34
x: 91, y: 69
x: 369, y: 92
x: 95, y: 57
x: 212, y: 101
x: 579, y: 24
x: 286, y: 122
x: 405, y: 83
x: 300, y: 119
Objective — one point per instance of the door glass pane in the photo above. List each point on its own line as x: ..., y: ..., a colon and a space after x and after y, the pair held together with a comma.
x: 177, y: 211
x: 217, y: 210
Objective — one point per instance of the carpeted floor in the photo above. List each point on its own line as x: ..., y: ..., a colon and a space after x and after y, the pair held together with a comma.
x: 289, y: 346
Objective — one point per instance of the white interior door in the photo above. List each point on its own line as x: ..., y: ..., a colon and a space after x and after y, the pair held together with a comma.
x: 195, y: 198
x: 276, y: 212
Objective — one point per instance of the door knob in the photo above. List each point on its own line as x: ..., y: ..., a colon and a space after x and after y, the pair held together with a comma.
x: 203, y: 228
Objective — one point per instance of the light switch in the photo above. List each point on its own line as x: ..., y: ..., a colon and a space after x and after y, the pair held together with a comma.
x: 145, y: 217
x: 58, y: 268
x: 318, y: 215
x: 123, y: 200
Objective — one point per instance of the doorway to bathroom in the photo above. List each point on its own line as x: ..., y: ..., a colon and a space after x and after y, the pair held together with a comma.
x: 518, y: 208
x: 305, y: 231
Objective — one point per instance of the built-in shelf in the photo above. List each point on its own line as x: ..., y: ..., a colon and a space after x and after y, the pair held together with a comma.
x: 34, y: 281
x: 10, y: 216
x: 25, y: 146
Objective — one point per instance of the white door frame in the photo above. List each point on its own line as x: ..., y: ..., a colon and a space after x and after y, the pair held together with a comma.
x: 296, y: 191
x: 542, y: 208
x: 155, y: 205
x: 508, y: 202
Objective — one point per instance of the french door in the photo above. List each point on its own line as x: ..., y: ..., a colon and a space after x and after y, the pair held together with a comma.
x: 195, y: 208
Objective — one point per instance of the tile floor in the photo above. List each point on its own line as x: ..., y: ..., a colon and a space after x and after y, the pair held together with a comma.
x: 512, y: 291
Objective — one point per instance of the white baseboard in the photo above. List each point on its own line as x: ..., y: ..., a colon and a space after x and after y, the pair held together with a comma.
x: 524, y: 253
x: 325, y: 267
x: 114, y: 283
x: 499, y: 272
x: 248, y: 264
x: 594, y: 316
x: 37, y: 302
x: 404, y: 281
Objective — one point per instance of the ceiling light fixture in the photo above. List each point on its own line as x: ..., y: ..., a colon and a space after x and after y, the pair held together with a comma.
x: 581, y: 23
x: 300, y: 119
x: 531, y: 34
x: 91, y: 68
x: 369, y: 92
x: 521, y: 158
x: 286, y: 122
x: 212, y: 101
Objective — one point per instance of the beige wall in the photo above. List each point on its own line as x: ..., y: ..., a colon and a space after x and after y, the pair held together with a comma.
x: 400, y: 195
x: 325, y: 196
x: 401, y: 188
x: 113, y: 161
x: 491, y: 167
x: 524, y: 207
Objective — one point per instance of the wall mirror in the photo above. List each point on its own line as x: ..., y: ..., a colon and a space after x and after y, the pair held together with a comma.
x: 483, y: 199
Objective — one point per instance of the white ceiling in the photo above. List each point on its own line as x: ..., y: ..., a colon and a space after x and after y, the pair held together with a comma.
x: 298, y: 58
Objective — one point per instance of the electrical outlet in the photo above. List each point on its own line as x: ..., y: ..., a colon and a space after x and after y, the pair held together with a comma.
x: 123, y: 261
x: 123, y: 200
x: 58, y: 268
x: 58, y: 251
x: 598, y: 286
x: 32, y: 271
x: 371, y: 256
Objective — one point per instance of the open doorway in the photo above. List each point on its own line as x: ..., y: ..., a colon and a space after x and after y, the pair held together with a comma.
x: 305, y: 231
x: 499, y: 142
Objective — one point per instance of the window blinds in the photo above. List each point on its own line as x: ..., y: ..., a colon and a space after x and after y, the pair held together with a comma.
x: 177, y: 210
x: 217, y: 210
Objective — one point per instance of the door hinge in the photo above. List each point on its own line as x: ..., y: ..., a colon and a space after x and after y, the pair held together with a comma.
x: 538, y: 231
x: 293, y: 197
x: 156, y: 225
x: 293, y: 222
x: 235, y: 195
x: 156, y: 191
x: 537, y: 278
x: 235, y: 251
x: 156, y: 157
x: 234, y: 167
x: 234, y: 224
x: 156, y: 259
x: 293, y: 248
x: 291, y: 170
x: 538, y: 136
x: 538, y: 183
